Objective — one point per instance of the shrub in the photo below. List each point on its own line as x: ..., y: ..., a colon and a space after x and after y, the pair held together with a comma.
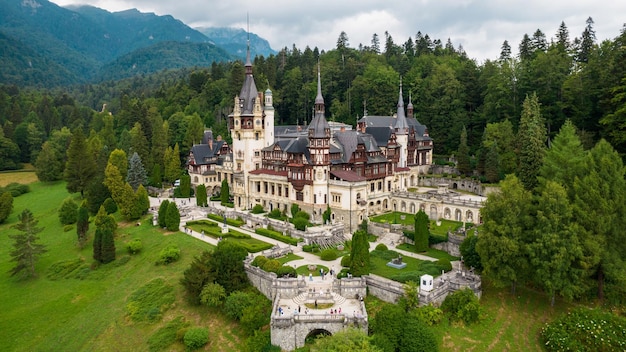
x: 231, y: 222
x: 134, y: 246
x: 408, y: 276
x: 196, y: 337
x: 286, y: 271
x: 429, y: 314
x: 257, y: 209
x: 68, y: 212
x: 329, y: 254
x: 68, y: 228
x: 345, y: 261
x: 275, y: 214
x: 434, y: 239
x: 277, y: 236
x: 169, y: 255
x: 462, y: 305
x: 444, y: 264
x: 585, y: 329
x: 271, y: 266
x: 16, y: 189
x: 381, y: 247
x: 259, y: 261
x: 300, y: 223
x: 310, y: 248
x: 303, y: 215
x: 236, y: 302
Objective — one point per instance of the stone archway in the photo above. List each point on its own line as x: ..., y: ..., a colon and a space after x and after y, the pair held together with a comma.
x: 315, y: 333
x: 446, y: 213
x: 469, y: 216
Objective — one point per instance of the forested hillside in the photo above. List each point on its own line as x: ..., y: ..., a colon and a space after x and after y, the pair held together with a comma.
x: 577, y: 79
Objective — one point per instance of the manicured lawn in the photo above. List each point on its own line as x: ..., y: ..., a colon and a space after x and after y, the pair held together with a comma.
x: 52, y: 313
x: 288, y: 258
x: 446, y: 225
x: 395, y: 217
x: 212, y: 229
x: 304, y: 270
x: 379, y: 266
x: 433, y: 253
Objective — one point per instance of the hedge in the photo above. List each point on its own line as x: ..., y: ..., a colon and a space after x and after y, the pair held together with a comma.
x: 231, y: 222
x: 277, y: 236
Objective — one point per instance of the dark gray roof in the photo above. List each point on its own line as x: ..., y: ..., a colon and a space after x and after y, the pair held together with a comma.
x: 203, y: 154
x: 401, y: 125
x: 319, y: 126
x: 369, y: 142
x: 380, y: 134
x: 348, y: 141
x: 390, y: 121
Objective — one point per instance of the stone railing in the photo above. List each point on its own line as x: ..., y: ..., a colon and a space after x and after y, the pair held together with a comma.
x: 385, y: 289
x: 427, y: 197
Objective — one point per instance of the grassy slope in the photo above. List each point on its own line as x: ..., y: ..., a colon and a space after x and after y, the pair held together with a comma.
x: 73, y: 315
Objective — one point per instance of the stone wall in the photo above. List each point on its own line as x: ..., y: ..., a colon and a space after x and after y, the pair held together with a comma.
x: 260, y: 279
x: 464, y: 184
x: 385, y: 289
x: 351, y: 287
x: 452, y: 246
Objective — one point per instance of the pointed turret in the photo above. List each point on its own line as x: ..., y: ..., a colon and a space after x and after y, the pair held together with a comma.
x: 401, y: 125
x: 409, y: 108
x: 319, y: 127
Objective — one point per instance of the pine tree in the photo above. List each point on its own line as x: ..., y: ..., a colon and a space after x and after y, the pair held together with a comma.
x: 82, y: 224
x: 142, y: 202
x: 48, y: 165
x: 563, y: 161
x: 136, y: 172
x: 26, y: 250
x: 68, y: 212
x: 201, y: 196
x: 6, y: 205
x: 463, y: 157
x: 185, y: 186
x: 172, y: 217
x: 104, y: 243
x: 492, y: 164
x: 80, y: 168
x: 531, y: 138
x: 162, y: 215
x: 119, y: 159
x: 360, y: 255
x: 171, y: 160
x: 224, y: 192
x: 421, y: 231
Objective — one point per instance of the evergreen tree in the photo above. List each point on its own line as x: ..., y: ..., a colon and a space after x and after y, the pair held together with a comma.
x: 48, y: 165
x: 599, y: 207
x: 224, y: 192
x: 172, y: 217
x: 421, y: 231
x: 563, y: 161
x: 26, y: 249
x: 6, y: 205
x: 162, y: 214
x: 82, y: 224
x: 502, y: 244
x: 104, y: 243
x: 119, y: 159
x: 587, y: 42
x: 136, y: 172
x: 492, y: 164
x: 531, y: 140
x: 463, y: 157
x: 9, y: 153
x: 226, y: 265
x: 97, y: 193
x: 185, y: 186
x: 326, y: 215
x: 201, y: 196
x: 171, y: 159
x: 142, y: 202
x: 139, y: 144
x: 556, y: 253
x: 68, y: 212
x: 80, y: 168
x: 360, y: 255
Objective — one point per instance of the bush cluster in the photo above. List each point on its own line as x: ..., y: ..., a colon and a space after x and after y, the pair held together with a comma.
x: 462, y: 305
x: 257, y: 209
x: 329, y: 254
x: 585, y: 329
x: 231, y: 222
x: 168, y: 255
x: 134, y: 246
x: 16, y: 189
x: 277, y: 236
x: 196, y: 337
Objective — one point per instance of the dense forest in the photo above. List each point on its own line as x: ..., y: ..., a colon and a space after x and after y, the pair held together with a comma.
x: 469, y: 108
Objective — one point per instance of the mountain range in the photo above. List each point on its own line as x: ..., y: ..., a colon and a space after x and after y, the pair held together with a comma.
x: 43, y: 44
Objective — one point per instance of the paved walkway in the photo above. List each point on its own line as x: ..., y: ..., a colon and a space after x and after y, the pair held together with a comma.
x: 191, y: 212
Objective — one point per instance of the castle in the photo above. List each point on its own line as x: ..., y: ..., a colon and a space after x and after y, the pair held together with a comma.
x: 324, y: 164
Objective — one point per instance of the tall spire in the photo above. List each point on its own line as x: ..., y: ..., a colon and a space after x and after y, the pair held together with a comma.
x: 409, y: 108
x: 248, y: 61
x: 319, y: 99
x: 401, y: 124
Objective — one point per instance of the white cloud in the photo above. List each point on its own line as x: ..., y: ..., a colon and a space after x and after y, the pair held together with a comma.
x: 480, y: 26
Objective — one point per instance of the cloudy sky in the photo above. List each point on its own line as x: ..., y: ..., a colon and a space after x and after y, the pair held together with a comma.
x: 480, y: 26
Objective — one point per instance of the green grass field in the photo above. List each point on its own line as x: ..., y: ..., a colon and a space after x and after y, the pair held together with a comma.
x: 67, y: 314
x: 55, y: 313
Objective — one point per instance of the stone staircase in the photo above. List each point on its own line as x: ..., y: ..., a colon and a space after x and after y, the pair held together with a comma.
x: 303, y: 298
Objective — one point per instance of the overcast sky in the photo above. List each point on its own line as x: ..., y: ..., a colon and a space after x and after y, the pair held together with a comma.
x: 480, y: 26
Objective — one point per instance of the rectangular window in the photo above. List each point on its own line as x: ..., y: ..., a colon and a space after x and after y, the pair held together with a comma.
x: 299, y: 196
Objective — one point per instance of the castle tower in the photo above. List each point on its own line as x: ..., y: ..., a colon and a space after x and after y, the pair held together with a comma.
x: 248, y: 121
x: 319, y: 148
x: 402, y: 130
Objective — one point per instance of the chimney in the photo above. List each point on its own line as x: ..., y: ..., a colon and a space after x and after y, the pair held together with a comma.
x: 211, y: 143
x: 343, y: 128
